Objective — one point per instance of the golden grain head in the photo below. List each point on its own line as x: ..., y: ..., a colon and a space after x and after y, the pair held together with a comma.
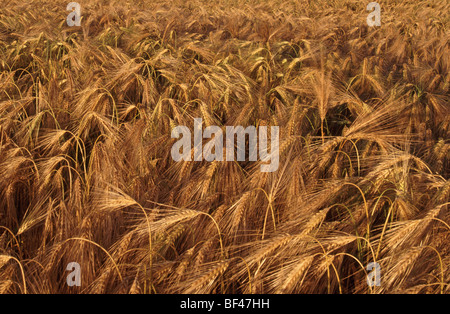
x: 86, y: 173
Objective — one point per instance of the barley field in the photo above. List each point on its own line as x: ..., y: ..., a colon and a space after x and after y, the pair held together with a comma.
x: 86, y: 174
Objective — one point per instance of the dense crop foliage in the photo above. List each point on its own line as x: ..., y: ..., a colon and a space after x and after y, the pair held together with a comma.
x: 86, y: 173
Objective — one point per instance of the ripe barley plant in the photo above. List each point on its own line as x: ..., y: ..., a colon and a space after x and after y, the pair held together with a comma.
x: 87, y: 178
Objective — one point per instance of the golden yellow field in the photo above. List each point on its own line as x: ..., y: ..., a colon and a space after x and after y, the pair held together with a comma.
x: 87, y: 177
